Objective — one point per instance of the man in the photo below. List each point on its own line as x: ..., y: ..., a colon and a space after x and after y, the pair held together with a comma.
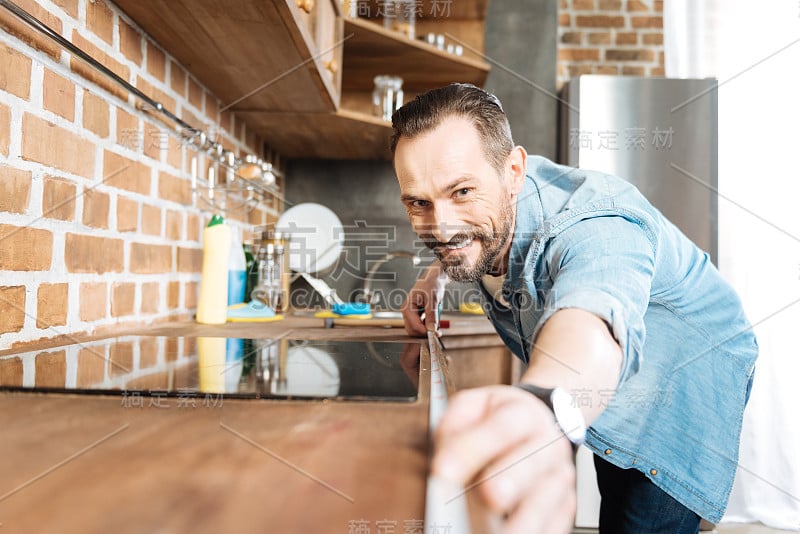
x: 601, y: 296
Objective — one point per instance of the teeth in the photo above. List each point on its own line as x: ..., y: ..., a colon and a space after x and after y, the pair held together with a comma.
x: 456, y: 246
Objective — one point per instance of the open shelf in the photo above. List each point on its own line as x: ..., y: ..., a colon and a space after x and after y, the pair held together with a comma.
x: 370, y: 49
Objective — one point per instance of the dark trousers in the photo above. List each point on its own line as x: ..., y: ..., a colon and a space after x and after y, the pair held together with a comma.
x: 631, y: 504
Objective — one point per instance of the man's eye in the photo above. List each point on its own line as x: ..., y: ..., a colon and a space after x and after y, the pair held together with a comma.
x: 462, y: 192
x: 419, y: 203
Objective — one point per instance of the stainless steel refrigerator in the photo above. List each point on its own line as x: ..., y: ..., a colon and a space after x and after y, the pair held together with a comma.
x: 658, y: 133
x: 661, y: 135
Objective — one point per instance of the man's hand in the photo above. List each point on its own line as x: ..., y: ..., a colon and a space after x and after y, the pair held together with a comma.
x: 424, y: 296
x: 504, y: 443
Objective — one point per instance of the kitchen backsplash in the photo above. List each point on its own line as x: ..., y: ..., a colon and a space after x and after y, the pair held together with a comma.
x: 97, y: 221
x: 610, y: 37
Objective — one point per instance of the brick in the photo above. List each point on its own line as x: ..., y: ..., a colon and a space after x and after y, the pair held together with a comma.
x: 25, y: 249
x: 151, y: 220
x: 579, y: 70
x: 256, y: 217
x: 647, y: 22
x: 51, y: 369
x: 95, y: 114
x: 226, y: 121
x: 195, y: 94
x: 5, y: 128
x: 154, y: 381
x: 175, y: 153
x: 652, y: 38
x: 579, y: 54
x: 26, y: 34
x: 606, y: 69
x: 151, y: 297
x: 52, y: 305
x: 599, y: 21
x: 12, y: 308
x: 46, y: 143
x: 10, y: 369
x: 128, y: 133
x: 79, y: 67
x: 657, y: 71
x: 174, y: 189
x: 120, y: 358
x: 130, y: 42
x: 192, y: 227
x: 177, y: 79
x: 609, y: 5
x: 148, y: 354
x: 156, y: 61
x: 174, y: 226
x: 572, y: 38
x: 70, y: 7
x: 637, y: 6
x: 127, y: 215
x: 150, y: 259
x: 190, y: 260
x: 190, y: 290
x: 173, y: 295
x: 154, y: 138
x: 625, y: 38
x: 123, y: 297
x: 92, y: 297
x: 58, y: 95
x: 90, y: 254
x: 628, y: 70
x: 599, y: 38
x: 15, y: 72
x: 15, y: 190
x: 629, y: 55
x: 583, y: 5
x: 91, y: 366
x: 100, y: 19
x: 658, y: 5
x: 156, y: 94
x: 212, y: 108
x: 124, y: 173
x: 58, y: 199
x: 95, y: 209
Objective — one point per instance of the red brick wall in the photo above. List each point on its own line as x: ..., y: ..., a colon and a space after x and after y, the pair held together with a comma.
x: 623, y: 37
x: 97, y: 221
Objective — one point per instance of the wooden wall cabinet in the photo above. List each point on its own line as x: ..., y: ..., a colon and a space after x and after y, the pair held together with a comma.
x: 300, y: 73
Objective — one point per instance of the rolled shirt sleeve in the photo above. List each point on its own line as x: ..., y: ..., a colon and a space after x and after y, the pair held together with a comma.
x: 605, y: 266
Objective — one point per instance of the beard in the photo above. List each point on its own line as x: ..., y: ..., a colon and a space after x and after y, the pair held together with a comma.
x: 457, y: 266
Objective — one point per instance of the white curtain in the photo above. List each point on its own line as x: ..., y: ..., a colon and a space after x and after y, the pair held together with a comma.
x: 753, y: 49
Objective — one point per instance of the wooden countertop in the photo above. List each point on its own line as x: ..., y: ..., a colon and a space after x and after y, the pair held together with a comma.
x: 86, y: 463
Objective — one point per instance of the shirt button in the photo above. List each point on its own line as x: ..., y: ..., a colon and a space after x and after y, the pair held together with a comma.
x: 653, y: 472
x: 607, y: 451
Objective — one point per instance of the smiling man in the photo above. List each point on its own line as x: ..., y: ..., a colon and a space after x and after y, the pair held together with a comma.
x: 601, y: 297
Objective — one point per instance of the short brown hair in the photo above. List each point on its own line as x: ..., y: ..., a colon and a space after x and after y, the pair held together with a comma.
x: 483, y: 109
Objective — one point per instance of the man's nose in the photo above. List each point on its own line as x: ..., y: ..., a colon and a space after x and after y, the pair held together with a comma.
x: 444, y: 224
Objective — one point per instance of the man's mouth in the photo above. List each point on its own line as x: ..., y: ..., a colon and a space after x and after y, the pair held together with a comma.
x: 458, y: 244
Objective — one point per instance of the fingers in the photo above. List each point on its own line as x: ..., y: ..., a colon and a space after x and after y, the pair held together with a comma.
x: 549, y: 506
x: 465, y: 448
x: 412, y: 320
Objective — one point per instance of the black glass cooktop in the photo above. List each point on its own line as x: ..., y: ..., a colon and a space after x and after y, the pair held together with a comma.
x: 202, y: 367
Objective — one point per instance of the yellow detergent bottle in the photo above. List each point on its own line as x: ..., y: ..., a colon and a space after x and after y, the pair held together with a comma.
x: 212, y: 308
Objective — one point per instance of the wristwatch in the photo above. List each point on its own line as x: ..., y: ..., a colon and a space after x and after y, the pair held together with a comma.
x: 568, y: 416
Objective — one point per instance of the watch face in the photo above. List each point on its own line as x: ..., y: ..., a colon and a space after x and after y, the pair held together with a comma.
x: 569, y: 416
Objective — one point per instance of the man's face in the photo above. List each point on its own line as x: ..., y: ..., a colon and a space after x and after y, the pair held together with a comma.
x: 456, y: 200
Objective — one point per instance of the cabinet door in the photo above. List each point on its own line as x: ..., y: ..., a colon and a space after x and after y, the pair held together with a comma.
x: 471, y: 367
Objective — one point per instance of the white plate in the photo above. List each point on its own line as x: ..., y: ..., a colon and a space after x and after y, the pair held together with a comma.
x: 316, y: 237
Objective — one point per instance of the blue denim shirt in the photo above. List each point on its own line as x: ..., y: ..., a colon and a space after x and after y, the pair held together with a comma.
x: 589, y: 240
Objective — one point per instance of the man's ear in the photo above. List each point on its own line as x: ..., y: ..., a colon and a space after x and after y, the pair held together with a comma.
x: 515, y: 169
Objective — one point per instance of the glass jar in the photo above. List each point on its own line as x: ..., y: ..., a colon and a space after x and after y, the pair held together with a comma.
x: 387, y: 97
